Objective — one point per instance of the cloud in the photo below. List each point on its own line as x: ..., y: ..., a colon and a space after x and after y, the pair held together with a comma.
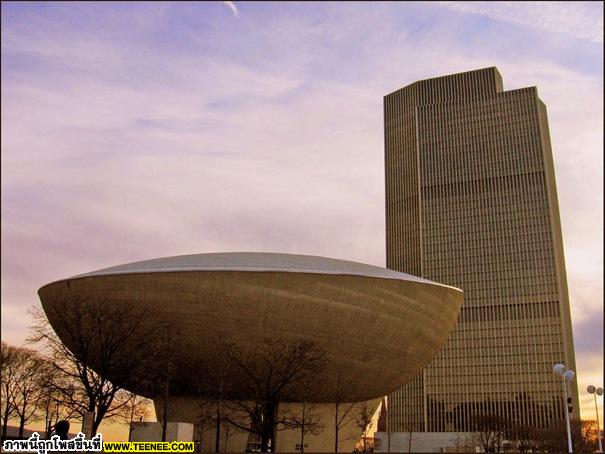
x: 581, y: 20
x: 232, y: 7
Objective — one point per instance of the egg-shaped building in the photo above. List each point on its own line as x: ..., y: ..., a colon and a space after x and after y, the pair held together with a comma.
x: 384, y: 326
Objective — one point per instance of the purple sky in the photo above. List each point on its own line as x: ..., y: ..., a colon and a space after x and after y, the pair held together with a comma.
x: 132, y: 130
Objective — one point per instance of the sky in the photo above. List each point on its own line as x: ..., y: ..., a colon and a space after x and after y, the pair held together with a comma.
x: 140, y: 130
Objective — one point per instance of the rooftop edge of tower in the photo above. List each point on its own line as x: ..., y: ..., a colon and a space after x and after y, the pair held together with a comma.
x: 487, y: 81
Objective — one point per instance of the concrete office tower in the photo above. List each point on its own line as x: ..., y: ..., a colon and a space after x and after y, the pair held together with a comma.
x: 471, y: 202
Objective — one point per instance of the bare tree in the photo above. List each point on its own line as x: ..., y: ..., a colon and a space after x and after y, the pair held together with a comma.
x: 135, y: 408
x: 528, y: 438
x: 308, y: 423
x: 363, y: 420
x: 216, y: 385
x: 29, y: 370
x: 491, y: 429
x: 8, y: 375
x: 204, y: 419
x: 275, y: 372
x: 229, y: 432
x: 104, y: 346
x: 583, y: 436
x: 462, y: 443
x: 165, y: 407
x: 367, y: 445
x: 345, y: 411
x: 210, y: 374
x: 211, y: 414
x: 410, y: 437
x: 50, y: 404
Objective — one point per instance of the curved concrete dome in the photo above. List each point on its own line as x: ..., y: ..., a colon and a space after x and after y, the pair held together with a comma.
x: 378, y: 325
x: 255, y: 261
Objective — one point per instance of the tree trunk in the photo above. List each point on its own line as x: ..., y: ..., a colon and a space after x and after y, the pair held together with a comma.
x: 6, y: 410
x: 165, y: 410
x: 131, y: 420
x: 48, y: 421
x: 302, y: 430
x: 226, y: 438
x: 49, y: 425
x: 21, y: 426
x: 268, y: 428
x: 4, y: 426
x: 264, y: 441
x: 336, y: 428
x: 218, y: 426
x: 388, y: 428
x: 98, y: 415
x: 95, y: 424
x: 130, y: 427
x: 273, y: 427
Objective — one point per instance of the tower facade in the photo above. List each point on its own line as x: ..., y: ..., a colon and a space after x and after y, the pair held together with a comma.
x: 471, y: 202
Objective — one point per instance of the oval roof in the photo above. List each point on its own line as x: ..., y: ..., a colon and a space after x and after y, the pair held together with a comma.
x: 256, y: 262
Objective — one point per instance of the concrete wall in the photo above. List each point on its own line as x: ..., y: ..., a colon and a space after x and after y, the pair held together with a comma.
x: 235, y: 440
x: 152, y: 431
x: 427, y: 442
x: 349, y: 435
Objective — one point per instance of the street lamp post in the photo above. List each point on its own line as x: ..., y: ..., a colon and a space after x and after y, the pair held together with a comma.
x: 566, y: 375
x: 597, y: 392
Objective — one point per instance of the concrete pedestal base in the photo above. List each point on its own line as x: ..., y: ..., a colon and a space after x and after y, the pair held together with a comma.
x: 152, y: 431
x: 199, y: 413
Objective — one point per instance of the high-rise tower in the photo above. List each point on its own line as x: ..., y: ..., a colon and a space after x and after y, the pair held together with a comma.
x: 471, y: 202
